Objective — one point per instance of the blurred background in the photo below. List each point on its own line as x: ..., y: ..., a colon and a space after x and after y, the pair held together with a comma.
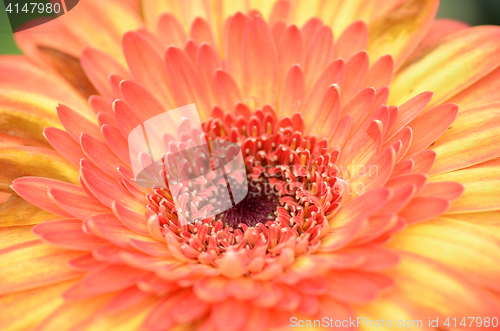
x: 474, y: 12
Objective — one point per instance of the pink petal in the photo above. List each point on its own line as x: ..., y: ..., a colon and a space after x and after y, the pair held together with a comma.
x: 260, y: 61
x: 147, y: 67
x: 318, y: 55
x: 77, y: 204
x: 355, y: 74
x: 98, y: 66
x: 35, y: 191
x: 293, y: 91
x: 352, y: 40
x: 424, y: 208
x: 64, y: 144
x: 170, y: 31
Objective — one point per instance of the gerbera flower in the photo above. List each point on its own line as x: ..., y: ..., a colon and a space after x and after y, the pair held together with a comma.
x: 374, y: 195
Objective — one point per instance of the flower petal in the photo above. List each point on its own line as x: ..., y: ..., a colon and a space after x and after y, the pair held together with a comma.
x: 107, y: 192
x: 440, y: 70
x: 482, y: 188
x: 32, y: 161
x: 430, y: 126
x: 318, y: 55
x: 64, y: 144
x: 170, y: 31
x: 34, y: 264
x: 468, y: 248
x: 98, y: 66
x: 399, y: 32
x: 260, y: 61
x: 24, y: 309
x: 473, y: 148
x: 147, y: 67
x: 352, y: 40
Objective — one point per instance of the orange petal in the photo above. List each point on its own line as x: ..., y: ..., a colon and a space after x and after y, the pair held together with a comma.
x: 325, y: 117
x: 189, y: 308
x: 423, y: 161
x: 359, y: 108
x: 309, y: 30
x: 376, y: 174
x: 19, y: 72
x: 352, y: 287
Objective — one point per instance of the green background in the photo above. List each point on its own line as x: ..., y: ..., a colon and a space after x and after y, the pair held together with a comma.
x: 475, y: 12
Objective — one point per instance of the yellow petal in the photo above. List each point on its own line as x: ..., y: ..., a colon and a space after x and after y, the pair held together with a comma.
x: 17, y: 211
x: 399, y: 32
x: 14, y: 235
x: 465, y: 246
x: 472, y: 140
x: 19, y: 161
x: 26, y: 126
x: 430, y: 288
x: 33, y: 264
x: 482, y: 188
x: 456, y: 63
x: 23, y: 310
x: 490, y: 221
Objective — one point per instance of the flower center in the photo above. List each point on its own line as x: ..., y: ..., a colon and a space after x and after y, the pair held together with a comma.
x: 259, y: 206
x: 293, y: 188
